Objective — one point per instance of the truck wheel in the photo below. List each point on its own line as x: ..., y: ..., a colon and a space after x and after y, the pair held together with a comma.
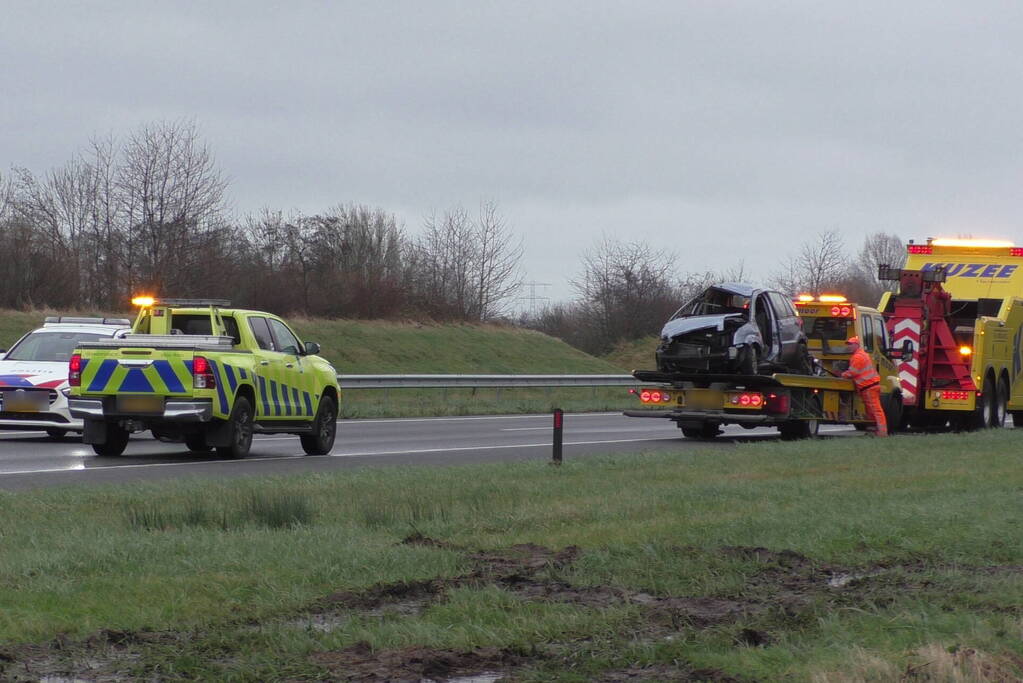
x: 240, y: 426
x: 197, y: 443
x: 1000, y: 405
x: 321, y: 441
x: 893, y: 411
x: 794, y: 430
x: 707, y: 430
x: 116, y: 441
x: 56, y: 434
x: 980, y: 418
x: 1017, y: 418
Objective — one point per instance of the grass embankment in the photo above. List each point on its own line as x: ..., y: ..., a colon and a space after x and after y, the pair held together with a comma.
x: 637, y: 354
x: 831, y: 560
x: 375, y: 347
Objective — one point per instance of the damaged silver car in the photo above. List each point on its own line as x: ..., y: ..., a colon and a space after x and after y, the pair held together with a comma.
x: 735, y: 328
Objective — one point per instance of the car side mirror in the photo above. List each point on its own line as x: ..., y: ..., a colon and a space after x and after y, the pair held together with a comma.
x: 904, y: 354
x: 3, y: 353
x: 312, y: 348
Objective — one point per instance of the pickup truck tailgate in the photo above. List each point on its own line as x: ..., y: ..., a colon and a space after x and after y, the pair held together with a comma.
x: 136, y: 370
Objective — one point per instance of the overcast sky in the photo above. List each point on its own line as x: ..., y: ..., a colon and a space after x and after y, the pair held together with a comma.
x: 723, y: 131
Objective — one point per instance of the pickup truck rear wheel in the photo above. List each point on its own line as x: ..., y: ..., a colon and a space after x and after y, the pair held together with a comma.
x: 240, y: 425
x: 321, y: 441
x: 115, y: 443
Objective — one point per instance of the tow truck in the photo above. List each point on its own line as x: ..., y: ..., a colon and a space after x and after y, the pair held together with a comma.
x: 795, y: 404
x: 958, y: 316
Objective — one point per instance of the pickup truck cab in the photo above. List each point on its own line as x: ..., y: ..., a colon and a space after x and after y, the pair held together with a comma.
x: 212, y: 376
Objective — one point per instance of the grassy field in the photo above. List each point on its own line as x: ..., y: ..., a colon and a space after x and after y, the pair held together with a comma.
x: 634, y: 355
x: 832, y: 560
x: 383, y: 347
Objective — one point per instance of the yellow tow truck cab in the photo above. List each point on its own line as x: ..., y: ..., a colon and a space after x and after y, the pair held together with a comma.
x: 985, y: 281
x: 829, y: 321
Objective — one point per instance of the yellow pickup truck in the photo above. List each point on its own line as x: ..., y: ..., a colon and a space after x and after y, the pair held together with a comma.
x: 198, y: 371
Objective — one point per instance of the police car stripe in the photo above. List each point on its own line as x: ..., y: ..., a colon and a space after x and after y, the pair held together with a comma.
x: 273, y: 397
x: 262, y: 395
x: 136, y: 382
x: 298, y: 406
x: 220, y: 388
x: 285, y: 399
x: 102, y: 376
x: 229, y: 371
x: 174, y: 385
x: 308, y: 403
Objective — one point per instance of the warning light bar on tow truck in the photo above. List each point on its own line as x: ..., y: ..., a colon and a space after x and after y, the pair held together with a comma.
x: 943, y: 245
x: 841, y: 308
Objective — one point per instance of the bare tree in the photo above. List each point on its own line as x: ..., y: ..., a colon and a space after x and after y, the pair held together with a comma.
x: 495, y: 268
x: 466, y: 268
x: 820, y: 264
x: 625, y: 290
x: 170, y: 192
x: 879, y: 249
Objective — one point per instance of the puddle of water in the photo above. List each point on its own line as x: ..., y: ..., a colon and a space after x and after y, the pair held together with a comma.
x: 843, y: 580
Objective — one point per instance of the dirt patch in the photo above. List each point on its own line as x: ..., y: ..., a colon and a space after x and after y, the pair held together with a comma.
x: 783, y: 588
x: 418, y: 539
x: 361, y: 663
x: 661, y: 672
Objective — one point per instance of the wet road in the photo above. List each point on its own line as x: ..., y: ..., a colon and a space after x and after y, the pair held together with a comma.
x: 31, y: 459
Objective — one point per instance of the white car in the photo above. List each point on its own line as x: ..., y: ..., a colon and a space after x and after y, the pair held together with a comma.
x: 33, y: 373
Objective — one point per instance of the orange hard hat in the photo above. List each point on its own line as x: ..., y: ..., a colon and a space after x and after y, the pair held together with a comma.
x: 854, y: 340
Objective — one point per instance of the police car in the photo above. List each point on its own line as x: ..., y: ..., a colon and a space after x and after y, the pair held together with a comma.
x: 34, y: 373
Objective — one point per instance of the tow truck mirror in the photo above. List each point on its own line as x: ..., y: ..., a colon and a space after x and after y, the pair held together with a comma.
x: 312, y: 348
x: 903, y: 354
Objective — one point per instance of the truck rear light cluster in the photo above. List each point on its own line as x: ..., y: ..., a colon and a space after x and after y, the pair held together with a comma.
x: 919, y: 249
x: 955, y: 395
x: 202, y: 374
x: 1015, y: 251
x: 841, y: 311
x: 74, y: 370
x: 647, y: 396
x: 747, y: 399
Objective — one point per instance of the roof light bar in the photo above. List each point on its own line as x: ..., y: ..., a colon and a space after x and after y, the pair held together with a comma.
x: 146, y: 301
x: 952, y: 242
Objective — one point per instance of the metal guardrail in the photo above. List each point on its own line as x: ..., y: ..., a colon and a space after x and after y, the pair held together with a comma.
x: 480, y: 381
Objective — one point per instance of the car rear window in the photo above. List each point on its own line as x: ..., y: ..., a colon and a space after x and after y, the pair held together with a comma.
x: 50, y: 346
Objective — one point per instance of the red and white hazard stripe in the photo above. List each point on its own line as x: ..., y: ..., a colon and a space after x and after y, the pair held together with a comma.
x: 909, y: 370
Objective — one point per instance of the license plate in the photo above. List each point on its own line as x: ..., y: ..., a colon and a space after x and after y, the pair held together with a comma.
x: 140, y: 404
x: 26, y: 401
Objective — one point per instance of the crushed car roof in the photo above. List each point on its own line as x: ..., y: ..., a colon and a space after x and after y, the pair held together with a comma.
x: 736, y: 288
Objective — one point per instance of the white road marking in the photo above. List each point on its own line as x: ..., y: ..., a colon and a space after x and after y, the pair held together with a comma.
x: 83, y: 468
x: 486, y: 448
x: 547, y: 416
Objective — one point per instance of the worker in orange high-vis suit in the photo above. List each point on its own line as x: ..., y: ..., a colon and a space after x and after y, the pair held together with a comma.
x: 868, y: 383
